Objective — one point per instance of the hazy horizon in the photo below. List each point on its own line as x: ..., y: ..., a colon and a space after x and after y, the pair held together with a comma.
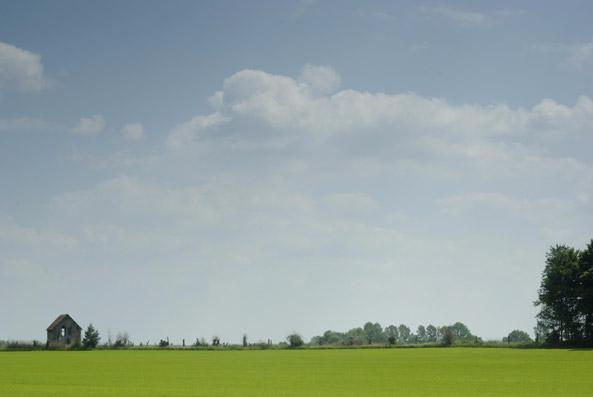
x: 190, y: 169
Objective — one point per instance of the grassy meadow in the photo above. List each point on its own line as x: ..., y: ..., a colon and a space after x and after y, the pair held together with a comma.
x: 310, y: 372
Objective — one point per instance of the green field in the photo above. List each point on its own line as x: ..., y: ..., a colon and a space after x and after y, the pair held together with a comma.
x: 372, y: 372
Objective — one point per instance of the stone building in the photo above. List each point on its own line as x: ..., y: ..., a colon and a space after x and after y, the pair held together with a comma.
x: 63, y: 332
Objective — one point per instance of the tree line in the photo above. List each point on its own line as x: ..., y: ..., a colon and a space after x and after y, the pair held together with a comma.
x: 374, y: 334
x: 565, y: 297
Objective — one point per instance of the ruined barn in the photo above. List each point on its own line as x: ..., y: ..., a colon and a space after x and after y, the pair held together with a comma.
x: 63, y: 332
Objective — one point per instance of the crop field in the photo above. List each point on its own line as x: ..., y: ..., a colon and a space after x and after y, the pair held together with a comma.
x: 370, y: 372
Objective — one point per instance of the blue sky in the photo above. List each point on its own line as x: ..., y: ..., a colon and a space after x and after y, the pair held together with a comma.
x: 187, y: 169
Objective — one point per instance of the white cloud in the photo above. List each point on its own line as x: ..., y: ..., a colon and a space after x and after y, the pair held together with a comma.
x: 20, y: 70
x: 90, y: 125
x: 133, y: 131
x: 322, y: 80
x: 189, y: 131
x: 283, y: 103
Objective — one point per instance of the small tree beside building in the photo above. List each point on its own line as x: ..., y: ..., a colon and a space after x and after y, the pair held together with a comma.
x: 91, y: 337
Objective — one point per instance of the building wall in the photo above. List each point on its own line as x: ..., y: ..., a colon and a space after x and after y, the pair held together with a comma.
x: 66, y: 333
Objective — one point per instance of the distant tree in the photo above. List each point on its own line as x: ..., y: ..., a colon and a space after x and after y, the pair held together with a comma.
x: 421, y: 334
x: 373, y: 332
x: 461, y: 332
x: 518, y: 336
x: 122, y: 339
x: 330, y: 337
x: 91, y: 337
x: 431, y: 333
x: 295, y: 340
x: 448, y: 336
x: 355, y: 337
x: 391, y: 334
x: 215, y: 341
x: 404, y: 333
x: 244, y: 340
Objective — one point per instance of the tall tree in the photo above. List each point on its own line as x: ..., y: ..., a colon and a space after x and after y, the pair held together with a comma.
x: 558, y: 295
x: 421, y: 334
x: 431, y: 333
x: 586, y: 290
x: 404, y: 333
x: 391, y: 334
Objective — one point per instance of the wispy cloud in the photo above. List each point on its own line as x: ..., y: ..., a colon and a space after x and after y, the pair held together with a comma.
x: 302, y: 7
x: 22, y: 124
x: 580, y: 55
x: 468, y: 18
x: 133, y: 131
x: 90, y: 125
x: 570, y: 55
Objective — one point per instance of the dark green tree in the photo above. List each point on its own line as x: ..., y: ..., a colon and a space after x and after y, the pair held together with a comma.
x: 558, y: 296
x: 518, y: 336
x: 448, y: 336
x: 91, y: 337
x: 585, y: 305
x: 295, y: 340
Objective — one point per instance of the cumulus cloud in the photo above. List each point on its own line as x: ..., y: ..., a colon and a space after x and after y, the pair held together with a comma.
x: 90, y: 125
x: 283, y: 103
x: 20, y: 70
x: 133, y: 131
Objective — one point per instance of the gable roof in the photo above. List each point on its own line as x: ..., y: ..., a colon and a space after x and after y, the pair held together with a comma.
x: 59, y: 320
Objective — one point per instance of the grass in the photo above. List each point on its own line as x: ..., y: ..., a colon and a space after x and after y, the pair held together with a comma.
x: 277, y: 373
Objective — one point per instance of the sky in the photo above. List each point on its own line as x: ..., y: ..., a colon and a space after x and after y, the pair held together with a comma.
x: 188, y: 169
